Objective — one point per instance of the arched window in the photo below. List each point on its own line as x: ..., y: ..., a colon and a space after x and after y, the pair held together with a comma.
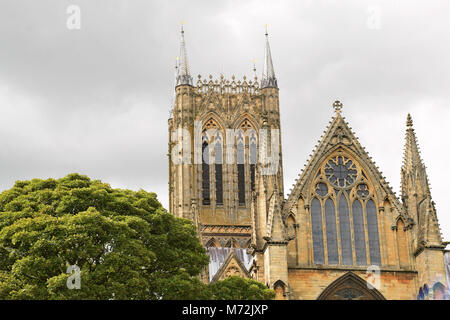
x: 253, y: 159
x: 218, y: 155
x: 316, y: 222
x: 346, y: 237
x: 372, y: 226
x: 349, y: 211
x: 205, y: 174
x: 360, y: 238
x: 330, y: 219
x: 241, y: 169
x: 439, y: 291
x: 420, y: 296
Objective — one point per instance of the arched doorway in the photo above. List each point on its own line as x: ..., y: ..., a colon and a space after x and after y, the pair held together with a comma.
x: 350, y: 287
x: 280, y: 290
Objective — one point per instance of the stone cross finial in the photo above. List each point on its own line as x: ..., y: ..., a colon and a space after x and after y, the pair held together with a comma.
x: 337, y: 105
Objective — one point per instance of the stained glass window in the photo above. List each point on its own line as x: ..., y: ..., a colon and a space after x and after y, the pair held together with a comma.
x: 218, y: 169
x: 354, y: 222
x: 316, y: 221
x: 358, y: 230
x: 330, y: 219
x: 372, y: 226
x: 253, y: 159
x: 205, y: 173
x: 344, y: 226
x: 340, y: 171
x: 241, y: 172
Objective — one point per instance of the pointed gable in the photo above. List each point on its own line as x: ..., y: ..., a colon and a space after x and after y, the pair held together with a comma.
x: 231, y: 266
x: 338, y: 135
x: 220, y: 256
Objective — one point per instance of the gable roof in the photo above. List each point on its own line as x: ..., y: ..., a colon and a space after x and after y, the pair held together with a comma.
x: 339, y: 133
x: 232, y: 256
x: 219, y: 258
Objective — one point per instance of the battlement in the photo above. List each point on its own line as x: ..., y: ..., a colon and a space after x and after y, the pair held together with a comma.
x: 224, y: 86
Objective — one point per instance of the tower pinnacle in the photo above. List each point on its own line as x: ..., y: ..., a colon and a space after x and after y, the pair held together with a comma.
x: 183, y: 76
x: 416, y: 193
x: 412, y: 156
x: 409, y: 122
x: 268, y: 76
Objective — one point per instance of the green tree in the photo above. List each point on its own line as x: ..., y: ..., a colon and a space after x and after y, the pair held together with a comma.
x: 125, y: 243
x: 236, y: 288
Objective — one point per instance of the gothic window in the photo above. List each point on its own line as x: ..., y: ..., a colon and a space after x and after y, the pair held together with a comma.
x: 241, y: 169
x: 330, y: 220
x: 280, y: 290
x: 346, y: 237
x: 372, y: 225
x: 350, y: 287
x: 253, y: 159
x: 439, y: 291
x: 420, y: 296
x: 205, y: 174
x: 350, y: 215
x: 316, y: 221
x: 218, y: 168
x: 360, y: 238
x: 340, y: 171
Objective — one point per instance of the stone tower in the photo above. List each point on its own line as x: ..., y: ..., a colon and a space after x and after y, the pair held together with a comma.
x: 215, y: 178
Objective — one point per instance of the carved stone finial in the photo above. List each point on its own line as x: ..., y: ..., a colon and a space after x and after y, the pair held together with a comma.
x: 337, y: 105
x: 409, y: 121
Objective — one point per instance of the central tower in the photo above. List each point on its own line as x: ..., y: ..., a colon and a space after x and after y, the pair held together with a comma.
x: 215, y: 175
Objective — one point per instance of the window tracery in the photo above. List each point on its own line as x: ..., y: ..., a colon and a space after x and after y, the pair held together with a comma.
x: 344, y: 215
x: 340, y: 171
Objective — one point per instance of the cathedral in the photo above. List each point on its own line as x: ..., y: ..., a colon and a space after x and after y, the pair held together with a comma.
x: 340, y: 234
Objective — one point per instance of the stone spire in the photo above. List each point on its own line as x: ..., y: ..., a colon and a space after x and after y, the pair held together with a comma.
x: 416, y: 194
x: 183, y: 76
x: 268, y: 76
x: 412, y: 155
x: 413, y: 170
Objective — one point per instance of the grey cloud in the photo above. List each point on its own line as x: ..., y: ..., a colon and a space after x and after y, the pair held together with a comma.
x: 96, y: 100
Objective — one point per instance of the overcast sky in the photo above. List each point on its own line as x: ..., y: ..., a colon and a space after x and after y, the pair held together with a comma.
x: 96, y: 100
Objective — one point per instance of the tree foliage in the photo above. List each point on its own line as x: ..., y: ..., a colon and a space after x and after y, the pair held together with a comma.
x: 126, y: 245
x: 237, y: 288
